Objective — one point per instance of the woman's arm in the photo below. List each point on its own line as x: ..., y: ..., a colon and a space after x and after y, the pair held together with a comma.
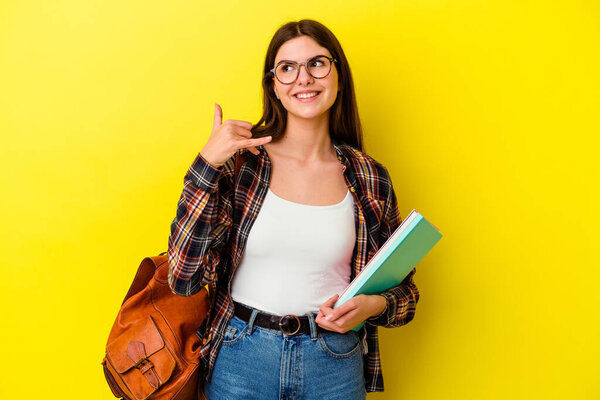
x: 401, y: 304
x: 402, y: 299
x: 204, y: 213
x: 202, y: 226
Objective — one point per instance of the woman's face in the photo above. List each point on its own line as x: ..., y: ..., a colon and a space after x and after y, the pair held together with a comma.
x: 301, y: 49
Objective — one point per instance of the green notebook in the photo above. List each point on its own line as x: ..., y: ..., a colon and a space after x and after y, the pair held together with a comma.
x: 401, y: 252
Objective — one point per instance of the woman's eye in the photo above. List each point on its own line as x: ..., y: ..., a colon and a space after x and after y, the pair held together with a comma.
x: 287, y: 68
x: 317, y: 63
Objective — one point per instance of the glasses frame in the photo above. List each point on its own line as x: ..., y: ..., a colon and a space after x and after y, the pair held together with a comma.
x: 299, y: 65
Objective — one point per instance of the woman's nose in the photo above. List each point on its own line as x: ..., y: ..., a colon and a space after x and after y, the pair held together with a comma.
x: 303, y: 75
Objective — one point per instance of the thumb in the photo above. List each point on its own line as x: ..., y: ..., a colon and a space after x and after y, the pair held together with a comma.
x: 218, y: 119
x: 331, y: 301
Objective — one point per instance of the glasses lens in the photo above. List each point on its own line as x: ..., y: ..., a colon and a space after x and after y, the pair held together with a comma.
x: 286, y: 72
x: 319, y: 67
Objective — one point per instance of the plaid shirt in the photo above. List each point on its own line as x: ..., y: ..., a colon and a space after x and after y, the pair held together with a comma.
x: 202, y: 249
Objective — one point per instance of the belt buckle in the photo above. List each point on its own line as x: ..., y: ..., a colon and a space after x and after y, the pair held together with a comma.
x: 281, y: 324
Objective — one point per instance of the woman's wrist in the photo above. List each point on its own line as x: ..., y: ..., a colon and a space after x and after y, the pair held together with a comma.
x: 381, y: 305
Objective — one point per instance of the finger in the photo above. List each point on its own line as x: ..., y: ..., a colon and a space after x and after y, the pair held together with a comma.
x: 238, y: 130
x: 323, y: 323
x: 327, y: 307
x: 341, y: 324
x: 243, y: 124
x: 330, y: 326
x: 332, y: 300
x: 343, y: 319
x: 218, y: 116
x: 338, y: 312
x: 247, y: 143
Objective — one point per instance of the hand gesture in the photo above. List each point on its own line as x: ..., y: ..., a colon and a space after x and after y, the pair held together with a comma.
x: 349, y: 314
x: 227, y: 138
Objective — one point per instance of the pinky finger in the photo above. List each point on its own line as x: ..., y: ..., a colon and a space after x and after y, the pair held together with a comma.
x: 258, y: 141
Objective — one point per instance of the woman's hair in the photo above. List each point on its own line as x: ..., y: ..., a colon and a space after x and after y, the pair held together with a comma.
x: 344, y: 122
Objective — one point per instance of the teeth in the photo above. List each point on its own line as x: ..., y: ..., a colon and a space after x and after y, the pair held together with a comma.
x: 306, y: 95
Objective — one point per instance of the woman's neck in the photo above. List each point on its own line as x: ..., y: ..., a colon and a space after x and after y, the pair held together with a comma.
x: 305, y: 140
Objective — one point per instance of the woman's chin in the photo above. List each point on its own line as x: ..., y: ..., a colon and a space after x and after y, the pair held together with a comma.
x: 307, y: 114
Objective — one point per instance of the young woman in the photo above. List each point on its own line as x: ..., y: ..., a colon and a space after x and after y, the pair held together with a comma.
x: 306, y: 212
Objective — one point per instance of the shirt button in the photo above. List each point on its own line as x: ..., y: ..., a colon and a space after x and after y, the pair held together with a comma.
x: 340, y: 158
x: 352, y: 189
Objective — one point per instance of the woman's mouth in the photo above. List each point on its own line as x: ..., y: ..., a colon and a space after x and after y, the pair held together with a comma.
x: 307, y: 97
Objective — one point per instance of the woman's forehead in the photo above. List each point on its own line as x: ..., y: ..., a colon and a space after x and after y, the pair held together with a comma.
x: 300, y: 49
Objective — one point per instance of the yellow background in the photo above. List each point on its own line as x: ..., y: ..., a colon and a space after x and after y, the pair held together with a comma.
x: 485, y: 113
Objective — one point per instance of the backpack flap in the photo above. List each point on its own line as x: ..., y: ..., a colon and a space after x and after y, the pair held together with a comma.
x: 141, y: 358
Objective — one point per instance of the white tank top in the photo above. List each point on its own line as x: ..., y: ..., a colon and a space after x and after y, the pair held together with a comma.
x: 297, y: 256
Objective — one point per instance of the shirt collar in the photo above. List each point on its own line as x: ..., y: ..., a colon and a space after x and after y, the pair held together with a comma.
x: 339, y: 149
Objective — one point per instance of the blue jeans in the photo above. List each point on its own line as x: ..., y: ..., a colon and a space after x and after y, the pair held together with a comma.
x: 263, y: 364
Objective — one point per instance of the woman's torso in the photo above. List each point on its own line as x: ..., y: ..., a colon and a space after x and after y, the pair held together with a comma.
x: 300, y: 247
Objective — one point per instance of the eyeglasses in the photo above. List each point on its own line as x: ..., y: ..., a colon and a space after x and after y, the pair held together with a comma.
x: 318, y: 67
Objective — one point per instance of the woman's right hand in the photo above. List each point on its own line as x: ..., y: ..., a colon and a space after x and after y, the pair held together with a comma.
x: 228, y: 137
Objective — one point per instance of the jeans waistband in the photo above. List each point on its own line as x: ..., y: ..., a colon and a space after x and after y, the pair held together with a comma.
x: 288, y: 324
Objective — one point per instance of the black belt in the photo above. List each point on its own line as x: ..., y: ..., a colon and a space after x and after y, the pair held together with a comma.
x: 289, y: 324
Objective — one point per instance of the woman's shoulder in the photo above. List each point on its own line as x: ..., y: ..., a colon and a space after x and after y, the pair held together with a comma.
x: 371, y: 175
x: 365, y: 163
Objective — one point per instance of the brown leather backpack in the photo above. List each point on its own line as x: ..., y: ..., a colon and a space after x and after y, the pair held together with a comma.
x: 152, y: 349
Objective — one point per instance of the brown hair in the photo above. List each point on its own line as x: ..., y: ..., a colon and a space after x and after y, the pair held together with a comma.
x: 344, y: 122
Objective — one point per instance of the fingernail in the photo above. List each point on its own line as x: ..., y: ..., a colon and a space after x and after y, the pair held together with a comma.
x: 328, y: 317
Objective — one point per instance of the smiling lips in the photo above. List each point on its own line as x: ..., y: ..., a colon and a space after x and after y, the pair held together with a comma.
x: 305, y: 97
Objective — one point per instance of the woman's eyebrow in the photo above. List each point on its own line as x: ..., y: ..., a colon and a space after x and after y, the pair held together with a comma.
x: 318, y: 55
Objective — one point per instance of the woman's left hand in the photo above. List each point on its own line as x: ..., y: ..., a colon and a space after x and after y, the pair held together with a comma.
x: 349, y: 314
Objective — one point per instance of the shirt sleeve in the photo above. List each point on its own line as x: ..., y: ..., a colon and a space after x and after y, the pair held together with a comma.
x: 201, y: 227
x: 402, y: 299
